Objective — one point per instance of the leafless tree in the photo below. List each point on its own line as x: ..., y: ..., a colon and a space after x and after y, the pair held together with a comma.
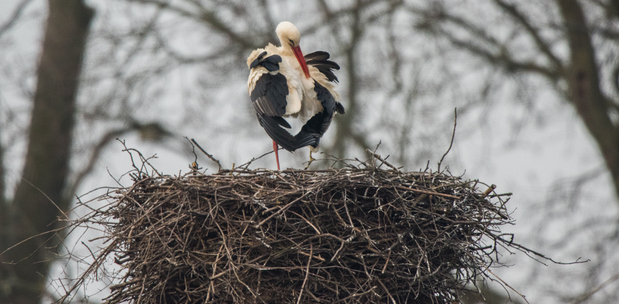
x: 38, y: 199
x: 531, y: 40
x: 168, y: 68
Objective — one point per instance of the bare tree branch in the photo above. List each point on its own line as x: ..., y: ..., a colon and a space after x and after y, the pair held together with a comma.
x: 489, y: 48
x: 584, y: 297
x: 94, y: 156
x: 209, y: 17
x: 503, y: 58
x: 532, y: 31
x: 21, y: 6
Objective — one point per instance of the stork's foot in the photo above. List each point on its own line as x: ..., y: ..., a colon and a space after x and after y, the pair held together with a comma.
x: 310, y: 161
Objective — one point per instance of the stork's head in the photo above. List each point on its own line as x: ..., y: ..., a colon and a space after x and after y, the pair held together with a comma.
x: 288, y: 34
x: 290, y: 37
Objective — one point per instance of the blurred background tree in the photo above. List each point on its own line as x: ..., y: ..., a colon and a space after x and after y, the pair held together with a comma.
x: 521, y: 73
x: 38, y: 198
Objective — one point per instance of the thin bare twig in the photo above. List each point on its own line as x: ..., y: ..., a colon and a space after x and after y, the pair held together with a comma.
x: 451, y: 142
x: 19, y: 9
x: 384, y: 161
x: 594, y: 290
x: 207, y: 154
x: 194, y: 165
x: 507, y: 285
x: 307, y: 272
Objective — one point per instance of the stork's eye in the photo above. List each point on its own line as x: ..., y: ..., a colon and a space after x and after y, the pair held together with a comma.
x: 291, y: 42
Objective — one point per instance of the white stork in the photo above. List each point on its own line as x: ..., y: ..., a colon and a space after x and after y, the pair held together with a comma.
x: 283, y: 83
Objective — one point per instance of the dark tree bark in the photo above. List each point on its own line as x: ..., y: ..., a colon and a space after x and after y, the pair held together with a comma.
x: 585, y: 91
x: 38, y: 199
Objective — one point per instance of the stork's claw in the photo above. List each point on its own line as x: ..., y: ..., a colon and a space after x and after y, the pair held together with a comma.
x: 310, y: 161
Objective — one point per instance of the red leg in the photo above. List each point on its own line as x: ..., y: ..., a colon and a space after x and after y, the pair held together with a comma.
x: 275, y: 148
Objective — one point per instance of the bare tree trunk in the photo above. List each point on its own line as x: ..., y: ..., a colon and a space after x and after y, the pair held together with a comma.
x: 585, y: 91
x: 38, y: 198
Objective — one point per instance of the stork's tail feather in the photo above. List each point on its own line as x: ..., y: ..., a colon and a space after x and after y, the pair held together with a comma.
x: 308, y: 136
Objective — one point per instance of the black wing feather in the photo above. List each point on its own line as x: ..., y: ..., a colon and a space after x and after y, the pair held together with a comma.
x: 318, y: 55
x: 269, y: 95
x: 320, y: 60
x: 282, y: 137
x: 271, y: 63
x: 316, y: 126
x: 269, y: 100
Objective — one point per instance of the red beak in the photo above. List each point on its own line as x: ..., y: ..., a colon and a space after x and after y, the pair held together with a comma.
x: 301, y: 60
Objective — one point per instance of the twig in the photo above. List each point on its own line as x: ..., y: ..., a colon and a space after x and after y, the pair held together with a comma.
x: 428, y: 192
x: 384, y: 161
x: 246, y: 165
x: 594, y: 290
x: 14, y: 17
x: 307, y: 271
x: 453, y: 135
x: 207, y: 154
x: 47, y: 197
x: 193, y: 166
x: 142, y: 171
x: 489, y: 190
x: 505, y: 284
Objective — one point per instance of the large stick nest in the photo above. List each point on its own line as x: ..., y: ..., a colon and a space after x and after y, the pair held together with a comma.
x: 333, y: 236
